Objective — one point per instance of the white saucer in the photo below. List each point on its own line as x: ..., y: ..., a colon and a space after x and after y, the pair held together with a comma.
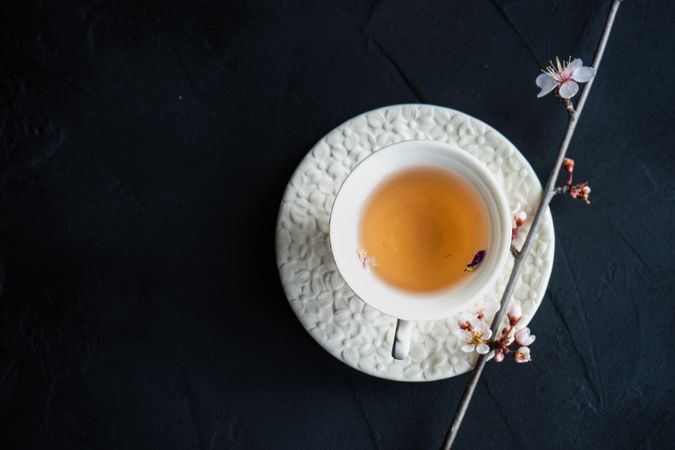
x: 339, y: 321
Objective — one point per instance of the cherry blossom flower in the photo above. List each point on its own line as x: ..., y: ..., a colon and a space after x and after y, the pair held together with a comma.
x: 564, y: 77
x: 581, y: 191
x: 524, y: 338
x: 522, y: 355
x: 476, y: 336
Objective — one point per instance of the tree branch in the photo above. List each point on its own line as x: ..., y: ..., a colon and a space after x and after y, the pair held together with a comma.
x: 548, y: 194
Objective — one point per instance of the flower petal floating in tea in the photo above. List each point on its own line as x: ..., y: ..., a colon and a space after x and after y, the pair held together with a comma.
x: 477, y: 259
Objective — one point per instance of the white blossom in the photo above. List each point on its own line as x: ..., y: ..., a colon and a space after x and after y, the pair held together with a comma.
x: 564, y: 77
x: 476, y: 338
x: 522, y: 355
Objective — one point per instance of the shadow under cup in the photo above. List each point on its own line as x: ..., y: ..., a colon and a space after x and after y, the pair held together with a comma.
x: 345, y: 234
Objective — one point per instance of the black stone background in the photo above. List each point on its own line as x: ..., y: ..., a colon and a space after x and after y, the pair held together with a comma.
x: 144, y: 149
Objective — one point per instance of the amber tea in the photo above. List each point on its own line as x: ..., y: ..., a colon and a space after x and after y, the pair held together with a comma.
x: 422, y: 226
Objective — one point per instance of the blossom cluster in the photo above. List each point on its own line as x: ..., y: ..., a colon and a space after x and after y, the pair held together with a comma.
x: 579, y: 191
x: 476, y: 337
x: 522, y: 337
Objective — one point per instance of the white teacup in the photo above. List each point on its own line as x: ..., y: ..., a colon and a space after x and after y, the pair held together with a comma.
x: 404, y: 305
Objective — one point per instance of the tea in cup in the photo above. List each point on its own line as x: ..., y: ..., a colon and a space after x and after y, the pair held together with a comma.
x: 419, y: 230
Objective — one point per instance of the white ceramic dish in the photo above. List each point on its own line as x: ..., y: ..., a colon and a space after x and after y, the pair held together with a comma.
x: 358, y: 334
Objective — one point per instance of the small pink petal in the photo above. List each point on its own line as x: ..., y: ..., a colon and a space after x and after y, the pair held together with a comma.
x: 568, y: 89
x: 482, y: 349
x: 479, y: 325
x: 499, y: 356
x: 546, y: 83
x: 462, y: 334
x: 522, y: 333
x: 583, y: 74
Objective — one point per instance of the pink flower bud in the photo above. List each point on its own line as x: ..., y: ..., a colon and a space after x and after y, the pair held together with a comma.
x: 568, y: 164
x: 520, y: 218
x: 515, y: 312
x: 499, y: 356
x: 586, y: 190
x: 466, y: 325
x: 524, y: 338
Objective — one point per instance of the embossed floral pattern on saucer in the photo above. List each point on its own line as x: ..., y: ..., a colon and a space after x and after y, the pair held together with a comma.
x: 335, y: 317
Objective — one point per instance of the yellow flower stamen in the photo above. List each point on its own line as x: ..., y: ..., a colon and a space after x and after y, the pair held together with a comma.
x: 476, y: 337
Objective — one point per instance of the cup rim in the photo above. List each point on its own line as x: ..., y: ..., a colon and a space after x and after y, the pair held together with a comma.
x: 436, y: 305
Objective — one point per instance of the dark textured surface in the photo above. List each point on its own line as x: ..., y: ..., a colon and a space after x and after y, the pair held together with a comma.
x: 144, y: 148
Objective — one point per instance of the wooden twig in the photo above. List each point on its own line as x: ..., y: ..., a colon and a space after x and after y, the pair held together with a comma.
x: 573, y: 117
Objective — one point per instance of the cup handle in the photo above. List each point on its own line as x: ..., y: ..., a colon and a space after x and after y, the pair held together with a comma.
x: 402, y: 338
